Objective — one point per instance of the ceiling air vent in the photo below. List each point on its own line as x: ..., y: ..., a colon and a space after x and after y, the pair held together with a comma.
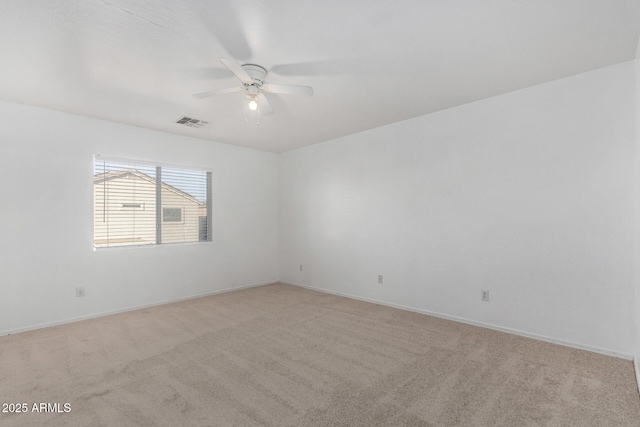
x: 194, y: 123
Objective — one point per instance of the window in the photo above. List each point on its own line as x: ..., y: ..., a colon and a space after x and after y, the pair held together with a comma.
x: 172, y: 214
x: 141, y: 204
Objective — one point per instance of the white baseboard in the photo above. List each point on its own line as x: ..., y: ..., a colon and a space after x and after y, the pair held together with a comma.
x: 126, y: 309
x: 476, y: 323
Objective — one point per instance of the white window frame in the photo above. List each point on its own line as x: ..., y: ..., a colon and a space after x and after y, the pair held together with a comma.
x: 159, y: 213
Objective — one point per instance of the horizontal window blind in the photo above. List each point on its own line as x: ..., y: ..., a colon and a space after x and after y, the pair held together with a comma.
x: 183, y: 204
x: 139, y: 204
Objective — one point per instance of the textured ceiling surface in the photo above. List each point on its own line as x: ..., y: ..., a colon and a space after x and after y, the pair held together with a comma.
x: 370, y: 63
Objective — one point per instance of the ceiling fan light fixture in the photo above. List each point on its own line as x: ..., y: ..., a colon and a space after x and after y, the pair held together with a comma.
x: 253, y: 104
x: 252, y: 96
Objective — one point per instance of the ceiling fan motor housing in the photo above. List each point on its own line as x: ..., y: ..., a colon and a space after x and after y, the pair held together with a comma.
x: 256, y: 72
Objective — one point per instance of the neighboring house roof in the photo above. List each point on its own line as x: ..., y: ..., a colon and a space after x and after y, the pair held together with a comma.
x: 124, y: 173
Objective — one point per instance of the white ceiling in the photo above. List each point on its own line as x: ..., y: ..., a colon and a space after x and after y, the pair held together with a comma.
x: 370, y: 62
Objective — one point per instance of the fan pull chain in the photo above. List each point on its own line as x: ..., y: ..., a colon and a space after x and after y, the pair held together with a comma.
x: 246, y: 117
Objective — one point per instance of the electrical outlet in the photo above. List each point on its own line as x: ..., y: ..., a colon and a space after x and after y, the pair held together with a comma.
x: 80, y: 291
x: 300, y: 267
x: 380, y: 279
x: 484, y: 296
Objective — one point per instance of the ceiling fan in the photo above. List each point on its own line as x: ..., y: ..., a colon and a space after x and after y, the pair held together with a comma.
x: 252, y: 77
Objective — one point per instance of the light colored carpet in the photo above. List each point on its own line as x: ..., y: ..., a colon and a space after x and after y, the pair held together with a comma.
x: 281, y: 355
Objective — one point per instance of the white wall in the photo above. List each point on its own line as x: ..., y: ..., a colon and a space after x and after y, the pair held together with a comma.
x: 46, y: 224
x: 529, y: 195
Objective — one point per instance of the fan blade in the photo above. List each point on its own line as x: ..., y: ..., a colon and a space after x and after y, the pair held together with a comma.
x: 223, y: 20
x: 332, y: 67
x: 263, y: 105
x: 237, y: 69
x: 208, y: 73
x: 218, y: 92
x: 288, y: 89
